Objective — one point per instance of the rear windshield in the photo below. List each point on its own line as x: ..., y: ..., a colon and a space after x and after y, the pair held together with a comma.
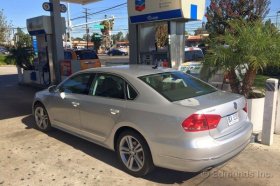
x: 86, y: 54
x: 176, y: 86
x: 194, y: 55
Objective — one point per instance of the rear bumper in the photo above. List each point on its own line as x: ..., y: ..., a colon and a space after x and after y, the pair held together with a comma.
x: 199, y: 154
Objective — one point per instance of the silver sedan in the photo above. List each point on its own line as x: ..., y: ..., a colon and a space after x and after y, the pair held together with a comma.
x: 150, y: 117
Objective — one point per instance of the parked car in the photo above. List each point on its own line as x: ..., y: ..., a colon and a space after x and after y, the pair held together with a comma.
x: 193, y: 61
x: 86, y: 58
x: 3, y: 50
x: 117, y: 52
x: 149, y: 116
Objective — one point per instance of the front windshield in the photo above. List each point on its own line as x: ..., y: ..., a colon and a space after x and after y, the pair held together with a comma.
x: 177, y: 85
x: 194, y: 55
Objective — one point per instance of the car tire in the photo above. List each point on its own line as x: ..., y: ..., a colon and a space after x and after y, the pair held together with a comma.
x: 134, y: 154
x: 111, y: 54
x: 41, y: 118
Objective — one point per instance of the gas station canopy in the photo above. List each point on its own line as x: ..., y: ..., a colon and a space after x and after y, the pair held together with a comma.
x: 83, y: 2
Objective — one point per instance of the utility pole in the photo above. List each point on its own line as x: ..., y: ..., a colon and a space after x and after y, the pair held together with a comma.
x: 87, y: 29
x: 69, y: 25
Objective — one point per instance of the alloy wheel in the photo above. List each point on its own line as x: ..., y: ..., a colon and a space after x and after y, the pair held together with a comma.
x: 41, y: 118
x: 132, y: 153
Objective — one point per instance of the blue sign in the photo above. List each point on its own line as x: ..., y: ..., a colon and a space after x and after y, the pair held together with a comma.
x: 35, y: 45
x: 193, y: 12
x: 140, y: 5
x: 167, y: 15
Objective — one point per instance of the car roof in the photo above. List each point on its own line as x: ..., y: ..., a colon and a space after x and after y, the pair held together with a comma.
x: 131, y: 70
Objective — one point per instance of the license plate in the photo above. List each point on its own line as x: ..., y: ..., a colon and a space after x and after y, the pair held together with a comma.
x: 232, y: 119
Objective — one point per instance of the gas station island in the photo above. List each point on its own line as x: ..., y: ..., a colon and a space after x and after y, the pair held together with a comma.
x: 146, y: 17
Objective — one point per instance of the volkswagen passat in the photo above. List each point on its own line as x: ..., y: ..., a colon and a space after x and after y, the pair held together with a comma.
x: 150, y: 117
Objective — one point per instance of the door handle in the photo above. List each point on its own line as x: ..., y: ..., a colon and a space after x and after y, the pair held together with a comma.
x: 114, y: 111
x: 75, y: 104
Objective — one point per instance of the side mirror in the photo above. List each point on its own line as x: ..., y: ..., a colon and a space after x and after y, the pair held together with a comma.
x: 52, y: 88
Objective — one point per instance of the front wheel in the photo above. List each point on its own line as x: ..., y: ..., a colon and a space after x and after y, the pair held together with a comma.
x: 41, y: 118
x: 134, y: 154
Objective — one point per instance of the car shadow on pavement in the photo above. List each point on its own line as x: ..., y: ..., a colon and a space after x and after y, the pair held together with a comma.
x: 159, y: 175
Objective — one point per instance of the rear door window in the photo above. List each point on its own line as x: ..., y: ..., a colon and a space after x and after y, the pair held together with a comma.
x: 131, y: 93
x: 107, y: 85
x: 176, y: 85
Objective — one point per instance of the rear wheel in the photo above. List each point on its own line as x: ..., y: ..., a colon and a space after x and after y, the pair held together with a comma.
x: 41, y: 118
x: 134, y: 154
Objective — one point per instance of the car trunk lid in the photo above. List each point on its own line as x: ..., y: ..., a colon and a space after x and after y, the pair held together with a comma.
x: 229, y: 106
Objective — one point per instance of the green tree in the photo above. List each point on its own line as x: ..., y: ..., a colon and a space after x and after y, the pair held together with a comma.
x: 108, y: 26
x: 251, y: 46
x: 200, y: 31
x: 22, y: 39
x: 22, y: 53
x: 96, y: 39
x: 4, y: 27
x: 220, y: 12
x: 126, y: 38
x: 117, y: 37
x: 22, y: 56
x: 78, y: 39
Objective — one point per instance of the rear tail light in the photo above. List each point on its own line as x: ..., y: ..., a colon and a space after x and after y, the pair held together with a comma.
x: 246, y: 107
x: 201, y: 122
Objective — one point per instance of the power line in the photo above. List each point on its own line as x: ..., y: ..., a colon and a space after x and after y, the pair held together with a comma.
x: 108, y: 9
x: 101, y: 11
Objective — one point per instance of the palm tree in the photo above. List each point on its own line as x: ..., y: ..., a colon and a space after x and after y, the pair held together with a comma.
x: 22, y: 56
x: 249, y: 46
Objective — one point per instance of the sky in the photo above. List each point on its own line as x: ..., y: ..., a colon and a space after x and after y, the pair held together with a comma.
x: 17, y: 11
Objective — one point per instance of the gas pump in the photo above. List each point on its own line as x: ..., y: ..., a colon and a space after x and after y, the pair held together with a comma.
x: 41, y: 31
x: 146, y: 16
